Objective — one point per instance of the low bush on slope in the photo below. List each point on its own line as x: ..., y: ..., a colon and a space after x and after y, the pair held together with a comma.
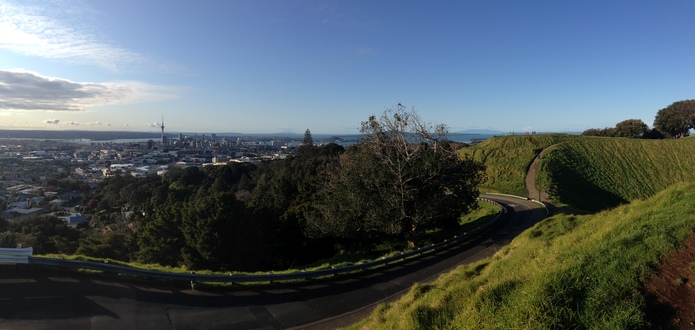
x: 507, y: 158
x: 598, y: 173
x: 577, y: 272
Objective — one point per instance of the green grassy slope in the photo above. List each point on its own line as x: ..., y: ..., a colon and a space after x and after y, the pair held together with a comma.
x: 599, y: 173
x: 572, y: 272
x: 507, y: 159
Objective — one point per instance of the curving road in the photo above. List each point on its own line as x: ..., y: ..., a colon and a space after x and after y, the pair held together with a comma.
x: 43, y: 299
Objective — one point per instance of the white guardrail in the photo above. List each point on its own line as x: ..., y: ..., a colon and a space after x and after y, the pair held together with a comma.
x: 15, y: 256
x: 270, y: 277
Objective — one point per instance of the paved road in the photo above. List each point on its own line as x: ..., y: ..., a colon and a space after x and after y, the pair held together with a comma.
x: 31, y: 299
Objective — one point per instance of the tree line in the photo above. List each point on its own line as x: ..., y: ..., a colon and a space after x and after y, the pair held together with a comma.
x: 674, y: 121
x: 399, y: 182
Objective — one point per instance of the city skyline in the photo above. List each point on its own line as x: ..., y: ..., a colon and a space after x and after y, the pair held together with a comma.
x: 284, y: 67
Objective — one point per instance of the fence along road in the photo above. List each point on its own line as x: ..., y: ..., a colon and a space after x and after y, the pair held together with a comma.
x: 15, y: 256
x: 270, y: 277
x: 55, y: 299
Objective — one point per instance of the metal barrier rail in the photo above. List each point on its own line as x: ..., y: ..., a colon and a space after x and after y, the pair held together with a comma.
x: 270, y: 277
x: 15, y: 256
x: 547, y: 211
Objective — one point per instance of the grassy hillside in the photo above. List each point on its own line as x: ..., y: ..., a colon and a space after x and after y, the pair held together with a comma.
x: 566, y: 272
x: 598, y: 173
x: 507, y: 159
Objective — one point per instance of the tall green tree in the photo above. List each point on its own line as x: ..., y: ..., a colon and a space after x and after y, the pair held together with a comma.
x: 159, y: 235
x: 307, y: 148
x: 677, y: 119
x: 608, y: 131
x: 399, y: 180
x: 632, y: 128
x: 308, y: 139
x: 208, y: 225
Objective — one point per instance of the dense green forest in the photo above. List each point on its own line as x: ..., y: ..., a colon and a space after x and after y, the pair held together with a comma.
x: 239, y: 216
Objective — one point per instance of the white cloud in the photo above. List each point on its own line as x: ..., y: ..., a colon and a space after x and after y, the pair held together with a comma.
x: 154, y: 125
x: 24, y: 90
x: 27, y: 30
x: 52, y: 121
x: 91, y: 123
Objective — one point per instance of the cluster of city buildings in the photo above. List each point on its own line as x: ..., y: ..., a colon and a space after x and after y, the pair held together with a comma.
x: 28, y: 168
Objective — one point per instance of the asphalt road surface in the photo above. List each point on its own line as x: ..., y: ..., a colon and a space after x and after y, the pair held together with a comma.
x: 53, y: 299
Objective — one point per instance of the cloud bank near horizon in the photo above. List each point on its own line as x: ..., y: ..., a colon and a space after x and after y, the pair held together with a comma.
x: 28, y: 91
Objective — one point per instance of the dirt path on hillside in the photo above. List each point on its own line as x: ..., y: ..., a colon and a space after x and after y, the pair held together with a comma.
x: 531, y: 179
x: 531, y: 182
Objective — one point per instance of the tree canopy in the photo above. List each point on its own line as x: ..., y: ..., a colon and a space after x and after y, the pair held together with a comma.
x: 241, y: 216
x: 632, y: 128
x: 308, y: 139
x: 674, y: 121
x: 677, y: 119
x: 402, y: 178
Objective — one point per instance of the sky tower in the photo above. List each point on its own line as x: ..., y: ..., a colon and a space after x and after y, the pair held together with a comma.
x: 164, y: 139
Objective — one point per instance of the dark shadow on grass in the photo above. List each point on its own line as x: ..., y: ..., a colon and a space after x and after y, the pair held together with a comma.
x: 571, y: 188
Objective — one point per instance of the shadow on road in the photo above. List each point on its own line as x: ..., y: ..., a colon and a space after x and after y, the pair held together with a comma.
x: 35, y: 293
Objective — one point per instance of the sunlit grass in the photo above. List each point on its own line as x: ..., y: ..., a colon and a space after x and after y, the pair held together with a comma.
x: 577, y: 272
x: 485, y: 213
x: 598, y: 173
x: 507, y: 159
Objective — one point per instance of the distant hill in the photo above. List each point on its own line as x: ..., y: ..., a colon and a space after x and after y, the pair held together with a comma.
x: 507, y: 159
x: 480, y: 131
x: 587, y: 173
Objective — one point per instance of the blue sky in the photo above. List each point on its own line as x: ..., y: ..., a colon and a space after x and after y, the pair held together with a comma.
x: 285, y: 66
